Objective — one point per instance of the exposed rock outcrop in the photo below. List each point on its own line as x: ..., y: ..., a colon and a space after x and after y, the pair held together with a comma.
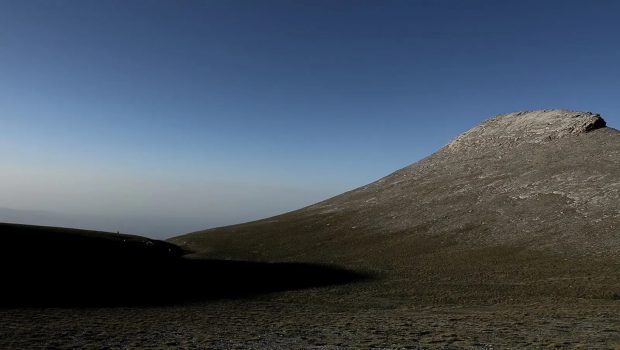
x: 531, y: 127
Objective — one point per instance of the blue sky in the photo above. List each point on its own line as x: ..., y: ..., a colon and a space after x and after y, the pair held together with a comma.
x: 226, y: 111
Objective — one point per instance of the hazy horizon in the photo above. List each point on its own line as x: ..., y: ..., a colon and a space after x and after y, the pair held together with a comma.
x: 162, y: 117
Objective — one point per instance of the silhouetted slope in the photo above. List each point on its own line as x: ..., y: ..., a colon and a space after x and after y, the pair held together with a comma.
x: 523, y: 204
x: 50, y: 266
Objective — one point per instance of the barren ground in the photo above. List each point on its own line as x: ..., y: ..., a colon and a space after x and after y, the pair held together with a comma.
x: 323, y: 318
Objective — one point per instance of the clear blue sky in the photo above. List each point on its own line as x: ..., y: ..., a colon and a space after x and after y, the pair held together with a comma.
x: 226, y: 111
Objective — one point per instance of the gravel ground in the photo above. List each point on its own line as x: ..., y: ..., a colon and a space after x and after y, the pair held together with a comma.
x: 279, y: 322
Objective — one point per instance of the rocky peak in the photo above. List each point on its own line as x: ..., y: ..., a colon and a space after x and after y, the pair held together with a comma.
x: 530, y: 126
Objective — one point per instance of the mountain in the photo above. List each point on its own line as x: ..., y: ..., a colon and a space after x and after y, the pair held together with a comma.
x: 523, y: 205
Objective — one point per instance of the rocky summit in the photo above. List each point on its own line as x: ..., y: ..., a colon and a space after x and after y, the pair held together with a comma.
x: 523, y: 205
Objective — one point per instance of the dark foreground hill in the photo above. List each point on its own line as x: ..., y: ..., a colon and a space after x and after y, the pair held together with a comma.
x: 523, y: 205
x: 50, y: 266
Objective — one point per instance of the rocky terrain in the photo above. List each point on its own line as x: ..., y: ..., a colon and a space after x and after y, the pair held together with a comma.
x: 291, y: 321
x: 523, y: 205
x: 507, y: 237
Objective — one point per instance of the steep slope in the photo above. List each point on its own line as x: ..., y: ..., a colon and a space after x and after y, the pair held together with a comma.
x: 523, y: 204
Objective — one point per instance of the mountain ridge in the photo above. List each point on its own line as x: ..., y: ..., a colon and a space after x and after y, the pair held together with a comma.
x: 542, y: 206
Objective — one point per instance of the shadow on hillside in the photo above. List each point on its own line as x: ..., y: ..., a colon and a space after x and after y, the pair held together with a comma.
x: 59, y: 269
